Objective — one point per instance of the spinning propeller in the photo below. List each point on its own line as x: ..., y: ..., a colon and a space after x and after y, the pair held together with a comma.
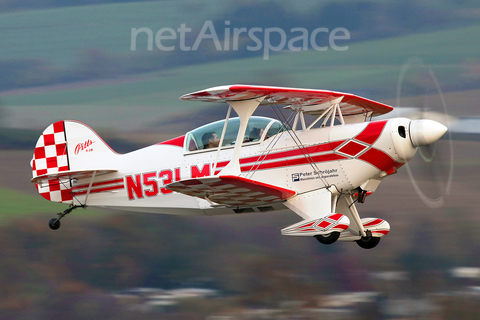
x: 419, y: 98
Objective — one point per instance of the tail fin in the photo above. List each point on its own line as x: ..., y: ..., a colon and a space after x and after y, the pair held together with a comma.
x: 68, y: 150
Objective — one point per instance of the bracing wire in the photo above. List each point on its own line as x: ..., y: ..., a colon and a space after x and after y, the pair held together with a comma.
x: 64, y: 183
x: 268, y: 148
x: 298, y: 142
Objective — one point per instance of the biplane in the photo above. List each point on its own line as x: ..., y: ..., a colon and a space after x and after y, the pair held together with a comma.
x: 242, y: 164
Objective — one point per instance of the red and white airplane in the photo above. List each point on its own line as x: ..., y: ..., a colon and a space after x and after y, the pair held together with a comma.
x: 244, y: 164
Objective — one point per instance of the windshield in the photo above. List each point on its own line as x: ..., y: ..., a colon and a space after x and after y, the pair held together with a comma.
x: 208, y: 136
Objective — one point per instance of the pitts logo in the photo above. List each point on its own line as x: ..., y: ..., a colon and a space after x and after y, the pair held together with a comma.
x: 85, y: 146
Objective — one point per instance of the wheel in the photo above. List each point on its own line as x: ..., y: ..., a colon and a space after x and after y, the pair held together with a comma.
x: 329, y: 238
x: 54, y: 224
x: 368, y: 242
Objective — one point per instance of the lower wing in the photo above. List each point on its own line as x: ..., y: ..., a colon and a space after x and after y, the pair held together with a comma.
x: 231, y: 190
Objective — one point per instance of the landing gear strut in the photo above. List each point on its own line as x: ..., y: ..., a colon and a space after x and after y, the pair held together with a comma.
x: 54, y: 223
x: 362, y: 195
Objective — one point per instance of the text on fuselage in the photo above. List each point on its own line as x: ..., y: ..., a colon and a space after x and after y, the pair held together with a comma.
x: 152, y: 183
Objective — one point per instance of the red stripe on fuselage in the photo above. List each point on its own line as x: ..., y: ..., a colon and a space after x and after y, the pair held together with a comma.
x: 76, y: 190
x: 379, y: 159
x: 96, y: 184
x: 294, y: 162
x: 100, y: 190
x: 285, y: 154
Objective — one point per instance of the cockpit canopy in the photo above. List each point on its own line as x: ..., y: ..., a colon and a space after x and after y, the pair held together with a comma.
x: 258, y: 129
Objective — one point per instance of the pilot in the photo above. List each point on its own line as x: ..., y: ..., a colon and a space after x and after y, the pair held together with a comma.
x: 210, y: 140
x: 255, y: 134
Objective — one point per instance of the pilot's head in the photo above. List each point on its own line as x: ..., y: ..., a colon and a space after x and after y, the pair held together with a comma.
x: 255, y: 134
x: 210, y: 140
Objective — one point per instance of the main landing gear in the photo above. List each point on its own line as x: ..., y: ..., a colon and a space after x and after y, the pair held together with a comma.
x: 329, y: 238
x: 54, y: 223
x: 368, y: 242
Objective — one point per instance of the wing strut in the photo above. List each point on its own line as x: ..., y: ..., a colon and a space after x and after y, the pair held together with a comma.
x: 220, y: 144
x: 298, y: 116
x: 340, y: 116
x: 332, y: 110
x: 89, y: 187
x: 244, y: 109
x: 353, y: 214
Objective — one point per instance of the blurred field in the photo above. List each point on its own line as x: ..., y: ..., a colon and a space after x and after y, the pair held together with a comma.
x: 154, y: 96
x: 59, y: 35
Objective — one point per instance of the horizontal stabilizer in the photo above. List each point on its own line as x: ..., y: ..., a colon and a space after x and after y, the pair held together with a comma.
x: 378, y: 228
x: 71, y: 174
x: 231, y: 190
x: 325, y: 225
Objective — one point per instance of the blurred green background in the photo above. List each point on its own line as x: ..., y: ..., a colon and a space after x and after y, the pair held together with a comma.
x: 73, y: 60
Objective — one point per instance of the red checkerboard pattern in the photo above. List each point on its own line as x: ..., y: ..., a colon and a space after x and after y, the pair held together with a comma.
x: 231, y: 190
x: 50, y: 154
x: 56, y: 190
x: 50, y: 157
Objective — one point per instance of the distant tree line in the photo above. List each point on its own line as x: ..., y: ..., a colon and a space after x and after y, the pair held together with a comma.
x: 365, y: 20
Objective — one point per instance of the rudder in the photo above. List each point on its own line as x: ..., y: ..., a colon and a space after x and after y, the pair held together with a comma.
x: 86, y: 150
x: 65, y: 149
x: 50, y: 157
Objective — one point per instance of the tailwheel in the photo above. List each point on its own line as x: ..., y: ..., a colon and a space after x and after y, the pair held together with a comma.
x: 54, y: 224
x: 328, y: 238
x: 368, y: 242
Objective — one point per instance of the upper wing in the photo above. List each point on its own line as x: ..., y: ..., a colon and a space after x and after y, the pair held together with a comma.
x: 231, y: 190
x: 350, y: 104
